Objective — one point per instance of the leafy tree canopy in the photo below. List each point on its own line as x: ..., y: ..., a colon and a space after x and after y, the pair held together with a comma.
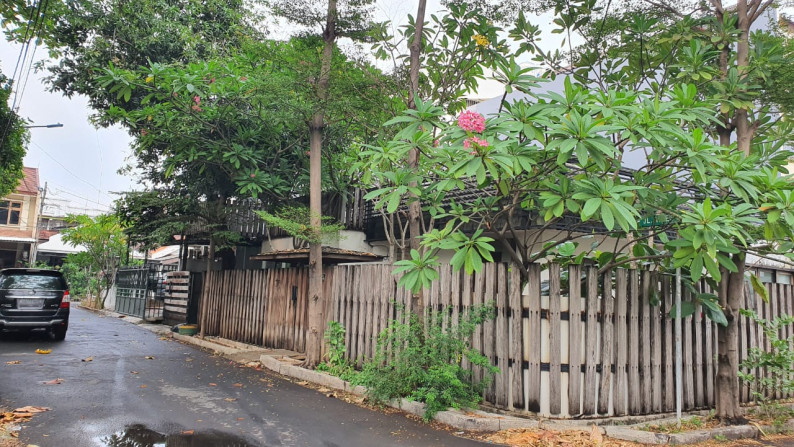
x: 237, y: 126
x: 86, y: 35
x: 13, y: 141
x: 105, y: 245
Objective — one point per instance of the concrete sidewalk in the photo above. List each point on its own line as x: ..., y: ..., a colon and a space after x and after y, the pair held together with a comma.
x: 287, y: 363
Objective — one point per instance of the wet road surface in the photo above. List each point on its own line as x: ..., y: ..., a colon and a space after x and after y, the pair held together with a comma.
x: 138, y: 389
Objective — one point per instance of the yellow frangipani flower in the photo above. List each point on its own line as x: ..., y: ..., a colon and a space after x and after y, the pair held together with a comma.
x: 481, y: 40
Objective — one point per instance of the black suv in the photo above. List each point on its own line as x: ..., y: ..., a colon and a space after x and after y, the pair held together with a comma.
x: 34, y: 299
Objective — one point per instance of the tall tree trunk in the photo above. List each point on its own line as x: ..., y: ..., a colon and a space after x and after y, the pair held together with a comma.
x: 314, y: 333
x: 415, y: 207
x: 731, y: 295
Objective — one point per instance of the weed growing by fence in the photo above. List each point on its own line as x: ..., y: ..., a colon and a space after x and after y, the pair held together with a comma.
x: 778, y: 361
x: 336, y: 364
x: 422, y: 362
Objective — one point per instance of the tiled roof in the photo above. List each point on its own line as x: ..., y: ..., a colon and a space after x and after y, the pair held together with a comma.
x: 30, y: 182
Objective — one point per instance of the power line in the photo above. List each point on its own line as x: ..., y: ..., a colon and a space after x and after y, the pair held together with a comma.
x: 37, y: 35
x: 23, y: 53
x: 41, y: 10
x: 70, y: 172
x: 62, y: 190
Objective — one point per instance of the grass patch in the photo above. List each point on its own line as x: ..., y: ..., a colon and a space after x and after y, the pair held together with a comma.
x: 687, y: 424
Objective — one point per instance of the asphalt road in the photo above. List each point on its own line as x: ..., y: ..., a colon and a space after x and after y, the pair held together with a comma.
x: 141, y: 390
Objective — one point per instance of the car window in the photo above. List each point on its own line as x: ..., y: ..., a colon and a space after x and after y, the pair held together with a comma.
x: 39, y: 282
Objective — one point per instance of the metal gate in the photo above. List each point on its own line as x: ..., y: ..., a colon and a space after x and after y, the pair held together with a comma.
x: 140, y: 291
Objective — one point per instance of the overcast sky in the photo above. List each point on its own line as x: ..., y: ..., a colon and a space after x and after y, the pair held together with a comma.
x: 77, y: 161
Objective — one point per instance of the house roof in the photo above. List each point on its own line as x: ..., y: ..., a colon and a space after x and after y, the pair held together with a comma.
x: 164, y: 253
x: 56, y: 244
x: 29, y: 185
x: 16, y: 239
x: 45, y: 235
x: 330, y: 256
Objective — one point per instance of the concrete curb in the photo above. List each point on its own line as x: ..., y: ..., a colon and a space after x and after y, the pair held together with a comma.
x: 691, y: 437
x: 206, y: 344
x: 482, y: 421
x: 475, y: 421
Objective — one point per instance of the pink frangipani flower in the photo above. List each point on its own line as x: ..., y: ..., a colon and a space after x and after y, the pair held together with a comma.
x: 475, y: 142
x: 471, y: 121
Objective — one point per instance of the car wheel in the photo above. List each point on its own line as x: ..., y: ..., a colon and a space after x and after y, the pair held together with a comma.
x: 59, y: 334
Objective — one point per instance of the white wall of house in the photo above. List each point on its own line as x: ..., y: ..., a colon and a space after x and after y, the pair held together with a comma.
x: 345, y: 240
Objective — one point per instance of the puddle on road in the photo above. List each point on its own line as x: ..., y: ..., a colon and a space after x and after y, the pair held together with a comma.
x: 141, y: 436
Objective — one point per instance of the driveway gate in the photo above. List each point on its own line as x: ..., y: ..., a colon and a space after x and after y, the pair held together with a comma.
x: 140, y: 292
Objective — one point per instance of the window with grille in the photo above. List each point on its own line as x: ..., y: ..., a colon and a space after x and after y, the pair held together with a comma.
x: 10, y: 212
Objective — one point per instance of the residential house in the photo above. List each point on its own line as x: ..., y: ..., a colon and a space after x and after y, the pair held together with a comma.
x: 54, y: 250
x: 19, y: 213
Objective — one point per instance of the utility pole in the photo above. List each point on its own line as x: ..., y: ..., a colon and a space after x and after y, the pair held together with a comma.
x: 35, y: 248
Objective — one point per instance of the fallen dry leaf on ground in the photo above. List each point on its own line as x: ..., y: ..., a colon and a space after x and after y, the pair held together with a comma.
x: 88, y: 359
x: 238, y: 385
x: 213, y: 384
x: 187, y: 432
x: 57, y: 381
x: 14, y: 362
x: 230, y: 399
x: 43, y: 351
x: 31, y: 409
x: 595, y: 435
x: 149, y: 357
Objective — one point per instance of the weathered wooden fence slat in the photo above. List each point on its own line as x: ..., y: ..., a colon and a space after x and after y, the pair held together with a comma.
x: 574, y: 339
x: 516, y: 341
x: 621, y: 335
x: 591, y: 343
x: 645, y: 343
x: 635, y: 399
x: 532, y: 337
x: 607, y: 340
x: 502, y: 339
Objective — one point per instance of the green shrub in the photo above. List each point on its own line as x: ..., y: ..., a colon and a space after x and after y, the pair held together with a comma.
x: 422, y: 362
x: 778, y: 361
x: 337, y: 364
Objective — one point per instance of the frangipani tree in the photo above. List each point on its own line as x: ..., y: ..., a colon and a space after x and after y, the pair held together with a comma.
x: 104, y: 243
x: 547, y: 173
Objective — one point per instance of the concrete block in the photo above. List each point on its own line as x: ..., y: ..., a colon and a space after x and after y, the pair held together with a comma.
x: 409, y: 406
x: 467, y: 422
x: 287, y: 370
x: 508, y: 422
x: 730, y: 433
x: 330, y: 381
x: 270, y: 363
x: 629, y: 434
x: 357, y: 390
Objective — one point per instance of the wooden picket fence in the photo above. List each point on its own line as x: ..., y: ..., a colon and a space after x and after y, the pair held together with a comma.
x: 600, y: 345
x: 603, y: 345
x: 261, y: 307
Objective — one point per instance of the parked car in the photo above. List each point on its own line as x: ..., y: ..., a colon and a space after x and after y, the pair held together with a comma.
x: 34, y: 299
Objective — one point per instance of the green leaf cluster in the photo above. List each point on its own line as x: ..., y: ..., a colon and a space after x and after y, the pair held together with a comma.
x: 423, y: 361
